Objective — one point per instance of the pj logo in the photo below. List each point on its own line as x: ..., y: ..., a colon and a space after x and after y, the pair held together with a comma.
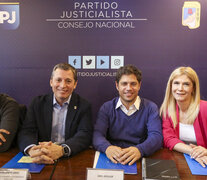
x: 9, y: 15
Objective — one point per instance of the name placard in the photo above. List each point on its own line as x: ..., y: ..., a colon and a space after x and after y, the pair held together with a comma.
x: 104, y: 174
x: 14, y: 174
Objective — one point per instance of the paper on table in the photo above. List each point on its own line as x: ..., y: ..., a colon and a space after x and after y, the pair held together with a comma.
x: 96, y: 159
x: 25, y: 159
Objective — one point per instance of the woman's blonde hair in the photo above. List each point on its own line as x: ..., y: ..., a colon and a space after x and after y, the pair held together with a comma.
x: 168, y: 106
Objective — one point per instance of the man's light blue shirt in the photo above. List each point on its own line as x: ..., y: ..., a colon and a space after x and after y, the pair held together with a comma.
x: 58, y: 121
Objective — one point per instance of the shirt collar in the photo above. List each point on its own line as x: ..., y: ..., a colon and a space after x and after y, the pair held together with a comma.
x: 65, y: 103
x: 136, y: 103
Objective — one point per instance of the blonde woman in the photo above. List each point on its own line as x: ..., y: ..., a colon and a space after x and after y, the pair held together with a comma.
x: 185, y: 115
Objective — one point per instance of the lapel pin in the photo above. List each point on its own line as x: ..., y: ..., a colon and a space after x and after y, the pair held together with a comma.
x: 75, y: 107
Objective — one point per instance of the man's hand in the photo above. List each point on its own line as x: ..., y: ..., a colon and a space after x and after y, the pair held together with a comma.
x: 45, y: 153
x: 35, y: 151
x: 113, y: 153
x: 198, y: 151
x: 43, y: 159
x: 1, y: 135
x: 129, y: 155
x: 52, y: 150
x: 38, y: 156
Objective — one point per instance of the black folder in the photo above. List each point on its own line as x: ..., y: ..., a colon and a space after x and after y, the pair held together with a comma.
x: 154, y: 169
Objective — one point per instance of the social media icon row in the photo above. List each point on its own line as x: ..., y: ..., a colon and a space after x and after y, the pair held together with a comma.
x: 96, y: 62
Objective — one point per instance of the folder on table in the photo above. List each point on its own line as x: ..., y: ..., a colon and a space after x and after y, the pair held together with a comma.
x: 195, y: 167
x: 159, y: 169
x: 13, y: 163
x: 102, y: 162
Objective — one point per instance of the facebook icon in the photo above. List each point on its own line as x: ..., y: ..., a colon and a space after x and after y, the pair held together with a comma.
x: 75, y: 61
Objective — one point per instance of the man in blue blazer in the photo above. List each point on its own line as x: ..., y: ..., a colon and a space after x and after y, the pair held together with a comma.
x: 57, y: 124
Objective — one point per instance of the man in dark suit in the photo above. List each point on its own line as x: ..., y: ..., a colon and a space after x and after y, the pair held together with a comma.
x: 57, y: 124
x: 9, y: 120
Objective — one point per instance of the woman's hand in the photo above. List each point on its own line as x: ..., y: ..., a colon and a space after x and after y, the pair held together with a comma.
x: 202, y: 160
x: 198, y: 151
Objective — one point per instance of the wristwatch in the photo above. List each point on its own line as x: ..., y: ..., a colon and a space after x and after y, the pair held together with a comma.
x: 65, y: 151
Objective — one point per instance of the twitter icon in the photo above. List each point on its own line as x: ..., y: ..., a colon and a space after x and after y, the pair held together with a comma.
x: 89, y: 62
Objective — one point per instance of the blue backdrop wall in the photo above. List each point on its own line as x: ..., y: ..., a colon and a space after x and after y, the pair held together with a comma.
x: 97, y: 37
